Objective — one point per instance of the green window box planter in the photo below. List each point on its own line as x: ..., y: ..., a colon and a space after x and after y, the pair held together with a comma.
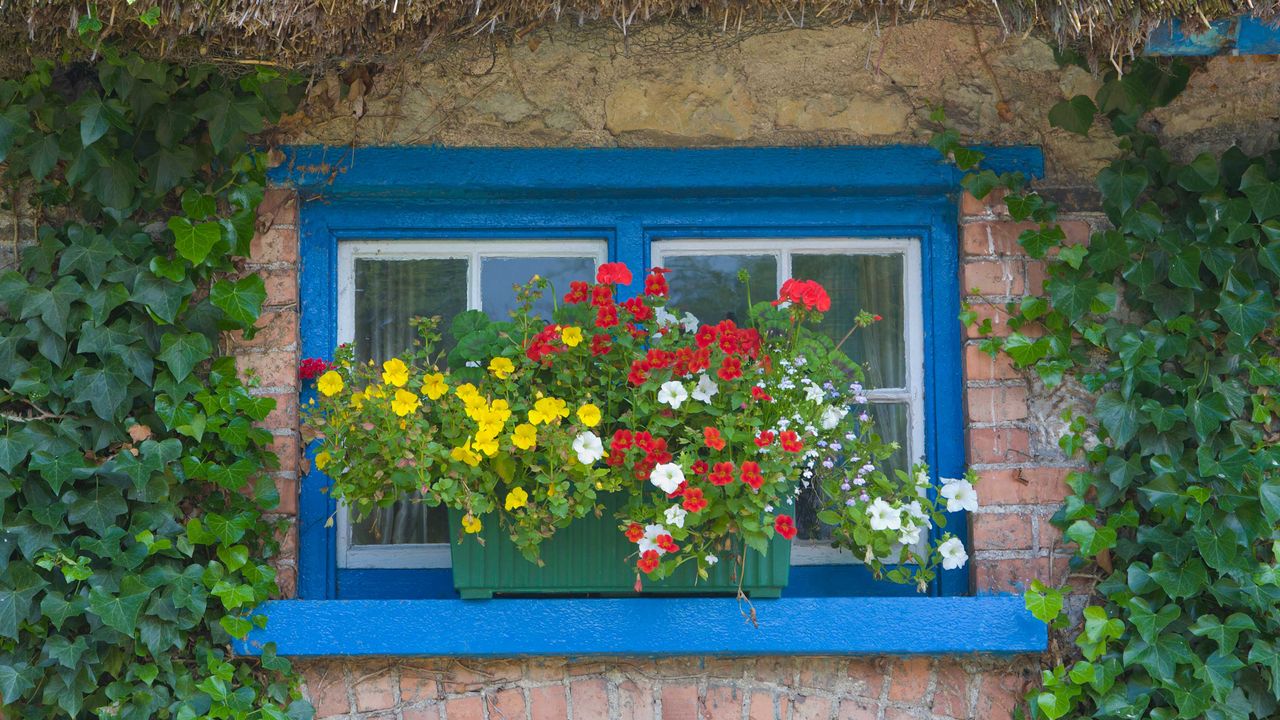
x: 590, y: 557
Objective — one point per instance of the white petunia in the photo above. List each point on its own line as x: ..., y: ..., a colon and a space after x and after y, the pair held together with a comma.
x: 814, y: 393
x: 689, y: 322
x: 914, y: 510
x: 667, y: 477
x: 831, y: 417
x: 664, y: 318
x: 711, y: 559
x: 960, y: 495
x: 953, y: 554
x: 649, y: 541
x: 910, y: 534
x: 588, y: 447
x: 883, y: 516
x: 922, y: 476
x: 705, y: 389
x: 672, y: 393
x: 675, y: 515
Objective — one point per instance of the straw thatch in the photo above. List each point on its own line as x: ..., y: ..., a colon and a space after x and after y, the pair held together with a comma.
x: 309, y: 33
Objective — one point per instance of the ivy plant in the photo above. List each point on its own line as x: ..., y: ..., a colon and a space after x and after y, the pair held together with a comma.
x: 1169, y: 318
x: 135, y: 500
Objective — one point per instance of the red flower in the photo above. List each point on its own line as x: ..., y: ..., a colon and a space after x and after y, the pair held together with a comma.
x: 680, y: 489
x: 638, y: 309
x: 648, y: 561
x: 765, y: 438
x: 614, y: 273
x: 722, y: 474
x: 606, y: 316
x: 785, y: 526
x: 729, y: 342
x: 730, y: 369
x: 659, y: 359
x: 751, y: 474
x: 639, y: 373
x: 878, y: 318
x: 656, y: 283
x: 577, y: 292
x: 312, y: 368
x: 601, y: 295
x: 790, y: 441
x: 699, y: 467
x: 712, y: 438
x: 706, y: 335
x: 666, y: 543
x: 807, y: 293
x: 758, y: 393
x: 600, y: 344
x: 636, y: 331
x: 622, y: 439
x: 634, y: 532
x: 693, y: 500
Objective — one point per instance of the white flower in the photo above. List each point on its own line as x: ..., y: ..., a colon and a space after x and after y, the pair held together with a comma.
x: 910, y: 534
x: 914, y: 510
x: 665, y: 318
x: 922, y: 476
x: 675, y: 515
x: 883, y: 516
x: 672, y: 393
x: 960, y: 495
x: 648, y: 542
x: 705, y: 390
x: 689, y: 322
x: 667, y: 477
x: 711, y: 559
x: 588, y: 447
x: 814, y: 393
x: 831, y: 417
x: 953, y: 554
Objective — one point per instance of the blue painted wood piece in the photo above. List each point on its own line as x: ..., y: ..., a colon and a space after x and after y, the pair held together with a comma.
x: 1257, y: 37
x: 1231, y: 36
x: 659, y: 626
x: 629, y: 198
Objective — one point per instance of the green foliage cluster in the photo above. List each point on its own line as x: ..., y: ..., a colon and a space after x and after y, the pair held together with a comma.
x: 1169, y: 317
x: 133, y: 484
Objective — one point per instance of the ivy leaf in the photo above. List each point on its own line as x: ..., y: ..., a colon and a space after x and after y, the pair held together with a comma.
x: 241, y: 300
x: 53, y: 305
x: 1225, y: 634
x: 1162, y: 657
x: 93, y: 121
x: 182, y: 352
x: 1074, y: 115
x: 1040, y: 241
x: 1267, y: 655
x: 1073, y: 298
x: 17, y: 594
x: 1264, y: 195
x: 1045, y: 604
x: 161, y: 297
x: 1201, y: 175
x: 1180, y: 580
x: 14, y: 447
x: 1207, y: 413
x: 1246, y: 315
x: 1269, y: 494
x: 1122, y: 185
x: 106, y: 389
x: 194, y: 242
x: 1053, y: 705
x: 90, y: 259
x: 1091, y: 539
x: 57, y: 468
x: 97, y: 508
x: 1148, y: 623
x: 1218, y: 548
x: 43, y: 155
x: 1118, y: 416
x: 229, y: 118
x: 1219, y: 670
x: 120, y: 611
x: 15, y: 680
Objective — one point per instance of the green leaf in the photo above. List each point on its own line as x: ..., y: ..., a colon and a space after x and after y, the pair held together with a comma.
x: 14, y: 447
x: 1267, y: 654
x: 1162, y: 657
x: 1264, y: 195
x: 106, y: 389
x: 1074, y: 115
x: 17, y: 595
x: 1218, y: 548
x: 120, y: 611
x: 1269, y: 494
x: 1122, y: 184
x: 1180, y: 580
x: 93, y: 122
x: 1219, y: 671
x: 1043, y: 603
x: 1118, y: 416
x: 97, y: 508
x: 1201, y: 175
x: 53, y: 305
x: 1226, y: 634
x: 241, y: 300
x: 182, y: 352
x: 43, y: 155
x: 16, y: 679
x: 1246, y: 315
x: 1148, y: 623
x: 1073, y: 298
x: 1091, y: 539
x: 1053, y: 705
x: 194, y: 242
x: 1207, y: 413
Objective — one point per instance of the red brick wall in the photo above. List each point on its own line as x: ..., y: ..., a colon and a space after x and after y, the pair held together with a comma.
x: 1012, y: 444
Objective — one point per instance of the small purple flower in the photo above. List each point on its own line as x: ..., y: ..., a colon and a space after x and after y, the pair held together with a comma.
x: 828, y: 463
x: 845, y: 486
x: 868, y: 468
x: 865, y: 497
x: 836, y: 447
x: 850, y: 502
x: 863, y: 417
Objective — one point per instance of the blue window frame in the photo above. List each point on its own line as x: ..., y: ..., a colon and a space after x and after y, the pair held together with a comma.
x: 632, y: 199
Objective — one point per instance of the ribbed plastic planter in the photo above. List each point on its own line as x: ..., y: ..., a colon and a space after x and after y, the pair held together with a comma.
x: 590, y: 557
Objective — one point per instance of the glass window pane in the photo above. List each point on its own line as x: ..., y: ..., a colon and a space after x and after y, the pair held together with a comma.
x: 864, y: 282
x: 892, y: 424
x: 407, y: 521
x: 500, y: 275
x: 389, y: 292
x: 708, y: 287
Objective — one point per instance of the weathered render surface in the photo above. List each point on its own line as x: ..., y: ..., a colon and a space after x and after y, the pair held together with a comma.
x: 845, y: 86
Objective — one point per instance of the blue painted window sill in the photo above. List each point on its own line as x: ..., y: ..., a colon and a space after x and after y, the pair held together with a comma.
x: 649, y: 626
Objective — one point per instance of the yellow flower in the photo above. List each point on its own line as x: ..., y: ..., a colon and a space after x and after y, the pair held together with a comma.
x: 465, y: 454
x: 571, y: 335
x: 487, y: 444
x: 330, y: 383
x: 501, y: 367
x: 525, y: 436
x: 500, y: 410
x: 322, y: 458
x: 589, y: 414
x: 394, y: 372
x: 548, y: 410
x: 357, y: 400
x: 471, y: 523
x: 516, y: 499
x: 374, y: 391
x: 404, y: 403
x: 466, y: 391
x: 433, y: 386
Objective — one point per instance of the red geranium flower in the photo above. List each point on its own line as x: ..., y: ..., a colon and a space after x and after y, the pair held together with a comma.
x: 635, y: 532
x: 600, y: 344
x: 712, y: 438
x: 666, y: 543
x: 790, y: 441
x: 751, y: 474
x: 785, y: 526
x: 705, y: 336
x: 648, y: 561
x: 693, y: 500
x: 806, y: 293
x: 577, y: 292
x: 606, y: 316
x: 699, y: 467
x: 722, y: 474
x: 622, y: 439
x: 614, y: 273
x: 765, y: 438
x: 638, y: 309
x: 312, y: 368
x: 730, y: 369
x: 601, y: 295
x: 656, y: 283
x: 758, y: 393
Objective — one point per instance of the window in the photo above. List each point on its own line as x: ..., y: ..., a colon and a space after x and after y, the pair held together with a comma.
x: 877, y: 223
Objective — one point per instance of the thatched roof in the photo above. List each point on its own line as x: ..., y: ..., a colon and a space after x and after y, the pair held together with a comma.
x: 309, y: 33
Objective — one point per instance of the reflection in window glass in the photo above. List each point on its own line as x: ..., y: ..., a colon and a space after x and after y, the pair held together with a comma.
x: 863, y: 282
x: 390, y: 292
x: 708, y: 286
x: 499, y: 276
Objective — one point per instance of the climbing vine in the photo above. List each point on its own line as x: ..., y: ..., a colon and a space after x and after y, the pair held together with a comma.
x: 1169, y: 318
x: 135, y: 533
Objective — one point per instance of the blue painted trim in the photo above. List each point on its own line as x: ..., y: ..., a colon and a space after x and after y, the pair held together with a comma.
x: 1230, y: 36
x: 628, y: 198
x: 660, y: 626
x: 495, y: 173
